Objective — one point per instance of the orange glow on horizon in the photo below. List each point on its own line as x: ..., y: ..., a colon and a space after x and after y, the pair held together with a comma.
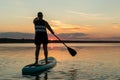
x: 52, y: 38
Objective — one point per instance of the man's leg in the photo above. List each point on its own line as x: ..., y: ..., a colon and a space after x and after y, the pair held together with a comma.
x: 37, y: 53
x: 45, y: 52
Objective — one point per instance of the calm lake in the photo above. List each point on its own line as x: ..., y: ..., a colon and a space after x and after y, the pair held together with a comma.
x: 94, y: 61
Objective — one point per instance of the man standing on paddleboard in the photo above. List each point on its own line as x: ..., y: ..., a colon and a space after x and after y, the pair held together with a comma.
x: 41, y: 36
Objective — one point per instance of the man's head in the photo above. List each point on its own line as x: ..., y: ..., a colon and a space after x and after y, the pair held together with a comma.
x: 40, y: 15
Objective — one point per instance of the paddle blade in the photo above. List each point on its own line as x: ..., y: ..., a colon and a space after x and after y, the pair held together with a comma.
x: 72, y: 51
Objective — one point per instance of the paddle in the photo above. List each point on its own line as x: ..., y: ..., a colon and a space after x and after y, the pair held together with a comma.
x: 71, y: 51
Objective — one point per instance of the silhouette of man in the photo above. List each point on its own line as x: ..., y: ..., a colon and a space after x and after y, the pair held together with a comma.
x: 41, y: 36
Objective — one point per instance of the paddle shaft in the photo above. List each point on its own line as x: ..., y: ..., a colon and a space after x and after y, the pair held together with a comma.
x: 71, y: 51
x: 60, y: 40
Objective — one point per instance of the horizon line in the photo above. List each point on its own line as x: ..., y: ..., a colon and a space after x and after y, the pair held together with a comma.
x: 10, y: 40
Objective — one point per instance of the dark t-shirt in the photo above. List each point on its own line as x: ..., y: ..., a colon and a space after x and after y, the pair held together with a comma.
x: 40, y: 31
x: 40, y: 25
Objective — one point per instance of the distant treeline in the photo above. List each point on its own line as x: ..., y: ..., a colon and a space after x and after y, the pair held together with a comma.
x: 8, y: 40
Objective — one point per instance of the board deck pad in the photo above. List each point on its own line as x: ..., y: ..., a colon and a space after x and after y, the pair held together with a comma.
x: 31, y: 69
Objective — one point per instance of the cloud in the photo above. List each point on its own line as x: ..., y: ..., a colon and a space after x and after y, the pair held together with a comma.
x: 84, y: 14
x: 116, y: 25
x: 69, y: 28
x: 17, y: 35
x: 117, y: 38
x: 71, y: 36
x: 74, y: 36
x: 63, y: 36
x: 91, y: 16
x: 24, y: 17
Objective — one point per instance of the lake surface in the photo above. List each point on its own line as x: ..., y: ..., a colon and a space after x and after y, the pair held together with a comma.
x: 94, y: 61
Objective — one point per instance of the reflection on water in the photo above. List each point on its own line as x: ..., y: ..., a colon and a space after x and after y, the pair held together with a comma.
x: 44, y: 78
x: 93, y: 62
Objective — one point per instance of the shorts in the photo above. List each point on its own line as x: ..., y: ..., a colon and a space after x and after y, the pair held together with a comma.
x: 41, y: 37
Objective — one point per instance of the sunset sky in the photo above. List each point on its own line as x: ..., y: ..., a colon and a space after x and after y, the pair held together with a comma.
x: 95, y: 18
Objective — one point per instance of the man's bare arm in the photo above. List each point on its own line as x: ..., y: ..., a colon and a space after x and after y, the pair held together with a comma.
x: 49, y: 28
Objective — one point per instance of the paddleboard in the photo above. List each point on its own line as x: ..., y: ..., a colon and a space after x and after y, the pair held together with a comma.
x: 40, y: 68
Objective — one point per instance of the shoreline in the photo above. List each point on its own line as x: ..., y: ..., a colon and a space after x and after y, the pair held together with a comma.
x: 9, y: 40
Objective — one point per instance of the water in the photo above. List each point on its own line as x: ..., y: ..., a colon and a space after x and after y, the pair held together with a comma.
x: 93, y: 62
